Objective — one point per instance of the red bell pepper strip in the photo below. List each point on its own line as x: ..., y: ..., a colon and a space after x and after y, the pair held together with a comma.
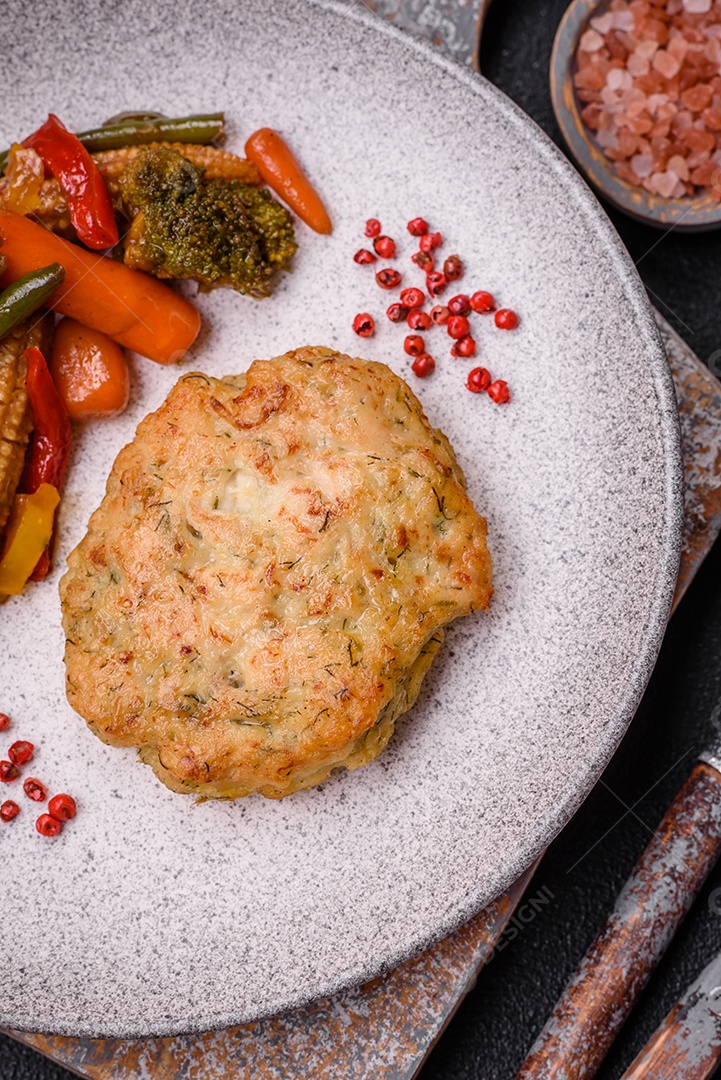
x: 51, y: 435
x: 89, y: 204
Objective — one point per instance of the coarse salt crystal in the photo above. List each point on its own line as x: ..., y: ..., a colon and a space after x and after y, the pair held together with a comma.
x: 677, y: 165
x: 641, y: 165
x: 655, y: 101
x: 608, y: 140
x: 609, y: 97
x: 636, y: 65
x: 679, y: 191
x: 678, y: 47
x: 697, y: 7
x: 633, y: 108
x: 713, y: 50
x: 591, y: 42
x: 646, y: 49
x: 623, y: 20
x: 603, y: 23
x: 673, y: 7
x: 664, y: 183
x: 665, y: 64
x: 618, y: 79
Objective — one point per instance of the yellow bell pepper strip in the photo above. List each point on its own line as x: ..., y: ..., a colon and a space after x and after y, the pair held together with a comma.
x: 51, y: 435
x: 28, y: 535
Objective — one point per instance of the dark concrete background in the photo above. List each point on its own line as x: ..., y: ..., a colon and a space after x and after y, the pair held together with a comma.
x: 590, y: 861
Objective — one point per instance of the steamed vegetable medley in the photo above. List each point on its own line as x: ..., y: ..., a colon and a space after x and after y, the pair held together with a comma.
x: 88, y: 223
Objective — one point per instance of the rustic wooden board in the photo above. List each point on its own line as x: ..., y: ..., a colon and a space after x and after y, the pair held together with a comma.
x: 381, y: 1029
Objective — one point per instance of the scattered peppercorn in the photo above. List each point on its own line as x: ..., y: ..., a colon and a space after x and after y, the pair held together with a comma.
x: 465, y: 348
x: 430, y: 241
x: 8, y: 772
x: 20, y: 752
x: 423, y: 261
x: 364, y: 256
x: 62, y: 807
x: 458, y: 326
x: 418, y: 227
x: 9, y: 810
x: 478, y: 380
x: 48, y: 826
x: 423, y: 365
x: 482, y: 302
x: 388, y: 278
x: 397, y: 313
x: 498, y: 391
x: 364, y: 325
x: 385, y: 247
x: 419, y: 320
x: 506, y: 319
x: 435, y: 283
x: 453, y: 268
x: 453, y: 315
x: 440, y: 315
x: 4, y: 721
x: 35, y: 790
x: 414, y: 345
x: 412, y: 298
x: 459, y: 305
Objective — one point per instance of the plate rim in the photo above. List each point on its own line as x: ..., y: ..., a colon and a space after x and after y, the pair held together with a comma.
x: 582, y: 781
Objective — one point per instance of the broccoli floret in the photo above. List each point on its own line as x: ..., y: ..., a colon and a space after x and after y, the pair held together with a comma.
x: 215, y: 232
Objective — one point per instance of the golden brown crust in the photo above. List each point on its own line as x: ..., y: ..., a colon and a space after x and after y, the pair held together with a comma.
x: 262, y: 589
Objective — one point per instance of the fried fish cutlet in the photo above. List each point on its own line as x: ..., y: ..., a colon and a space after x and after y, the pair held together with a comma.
x: 264, y: 585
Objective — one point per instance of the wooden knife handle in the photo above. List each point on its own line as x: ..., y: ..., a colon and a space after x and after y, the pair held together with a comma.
x: 682, y: 1049
x: 615, y: 969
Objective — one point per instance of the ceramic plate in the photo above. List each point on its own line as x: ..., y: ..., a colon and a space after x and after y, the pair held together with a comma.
x: 151, y: 914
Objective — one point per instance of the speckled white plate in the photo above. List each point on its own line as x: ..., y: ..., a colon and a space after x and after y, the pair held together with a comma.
x: 153, y: 915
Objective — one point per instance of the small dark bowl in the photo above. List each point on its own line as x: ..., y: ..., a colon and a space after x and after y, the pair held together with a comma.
x: 692, y: 214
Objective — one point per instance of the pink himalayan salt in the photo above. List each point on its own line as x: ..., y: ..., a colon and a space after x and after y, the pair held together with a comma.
x: 663, y: 183
x: 706, y: 175
x: 641, y: 165
x: 697, y: 7
x: 697, y: 157
x: 712, y: 118
x: 591, y: 41
x: 623, y: 20
x: 666, y: 64
x: 646, y: 49
x: 678, y: 47
x: 603, y: 24
x: 608, y: 140
x: 629, y: 124
x: 697, y: 97
x: 677, y: 164
x: 712, y: 51
x: 641, y: 124
x: 637, y: 65
x: 621, y: 80
x: 636, y: 106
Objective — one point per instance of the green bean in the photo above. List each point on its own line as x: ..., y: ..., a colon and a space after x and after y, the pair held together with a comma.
x: 127, y: 117
x: 27, y: 294
x: 187, y: 129
x: 202, y: 129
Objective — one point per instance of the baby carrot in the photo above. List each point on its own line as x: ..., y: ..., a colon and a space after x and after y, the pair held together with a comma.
x: 89, y: 370
x: 131, y: 307
x: 279, y: 167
